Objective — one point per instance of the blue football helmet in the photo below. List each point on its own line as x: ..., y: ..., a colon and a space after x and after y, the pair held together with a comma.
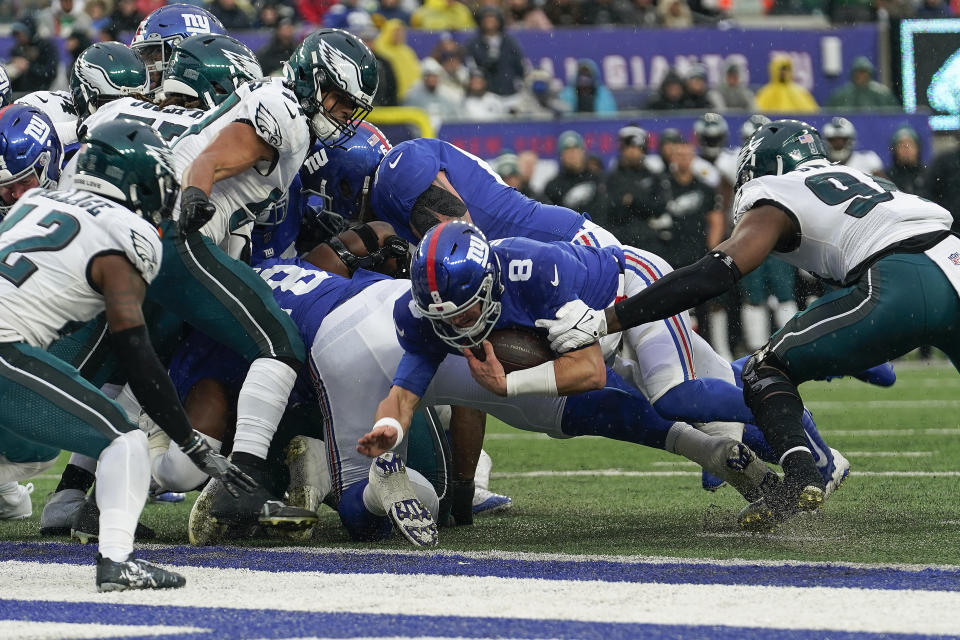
x: 6, y: 95
x: 453, y: 271
x: 341, y: 176
x: 163, y: 29
x: 29, y: 150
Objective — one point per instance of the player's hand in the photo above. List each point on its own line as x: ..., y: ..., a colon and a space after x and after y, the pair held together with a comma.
x: 216, y: 466
x: 196, y: 210
x: 378, y: 441
x: 575, y: 326
x: 488, y: 372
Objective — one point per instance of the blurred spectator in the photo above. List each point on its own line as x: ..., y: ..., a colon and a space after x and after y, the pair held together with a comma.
x: 840, y: 137
x: 478, y: 102
x: 312, y: 10
x: 732, y: 94
x: 669, y: 139
x: 268, y: 14
x: 574, y: 186
x: 390, y: 10
x: 125, y: 16
x: 538, y: 97
x: 607, y: 12
x: 851, y: 11
x: 391, y: 44
x: 695, y: 88
x: 33, y: 60
x: 65, y: 16
x: 231, y: 14
x: 563, y: 13
x: 497, y: 54
x: 586, y: 93
x: 782, y: 94
x: 670, y: 96
x: 862, y: 92
x: 99, y: 14
x: 507, y: 166
x: 442, y: 15
x: 645, y: 13
x: 279, y: 49
x: 452, y: 56
x: 431, y: 96
x: 523, y: 14
x: 942, y: 184
x: 674, y: 14
x: 527, y: 164
x: 896, y: 9
x: 74, y: 45
x: 932, y: 9
x: 339, y: 16
x: 906, y: 169
x: 146, y: 7
x: 631, y: 190
x: 387, y: 84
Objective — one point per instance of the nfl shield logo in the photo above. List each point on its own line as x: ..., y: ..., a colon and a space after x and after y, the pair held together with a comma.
x: 955, y: 258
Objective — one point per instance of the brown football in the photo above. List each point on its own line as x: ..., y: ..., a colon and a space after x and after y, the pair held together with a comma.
x: 520, y: 348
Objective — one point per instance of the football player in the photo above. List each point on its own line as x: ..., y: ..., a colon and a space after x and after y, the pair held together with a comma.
x: 31, y: 153
x: 58, y: 107
x: 886, y: 250
x: 841, y: 138
x: 97, y: 248
x: 5, y: 92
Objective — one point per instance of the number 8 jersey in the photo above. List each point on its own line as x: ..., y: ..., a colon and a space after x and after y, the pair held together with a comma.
x: 47, y: 243
x: 844, y: 216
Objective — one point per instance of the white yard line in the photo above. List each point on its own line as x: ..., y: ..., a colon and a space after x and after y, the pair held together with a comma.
x: 621, y: 473
x: 816, y: 405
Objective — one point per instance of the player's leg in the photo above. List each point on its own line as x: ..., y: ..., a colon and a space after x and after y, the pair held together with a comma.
x: 754, y: 313
x: 225, y: 298
x: 51, y: 404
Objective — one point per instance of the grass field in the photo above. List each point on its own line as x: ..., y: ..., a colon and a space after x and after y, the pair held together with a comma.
x: 901, y: 503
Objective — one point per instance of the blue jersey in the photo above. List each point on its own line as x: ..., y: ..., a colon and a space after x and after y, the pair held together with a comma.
x: 309, y: 294
x: 276, y: 235
x: 538, y: 278
x: 499, y: 211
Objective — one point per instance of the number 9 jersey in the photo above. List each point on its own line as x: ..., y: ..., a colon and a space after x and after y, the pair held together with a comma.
x: 845, y: 218
x: 47, y: 243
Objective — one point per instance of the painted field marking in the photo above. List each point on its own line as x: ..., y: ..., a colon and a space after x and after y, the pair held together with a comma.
x: 888, y: 454
x: 621, y: 473
x: 885, y: 433
x: 881, y: 404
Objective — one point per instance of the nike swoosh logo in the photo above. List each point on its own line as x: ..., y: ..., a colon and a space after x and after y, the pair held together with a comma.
x: 400, y: 332
x: 393, y: 165
x: 556, y: 277
x: 293, y: 116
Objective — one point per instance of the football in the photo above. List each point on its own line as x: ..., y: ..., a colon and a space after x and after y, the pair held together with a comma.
x: 520, y: 348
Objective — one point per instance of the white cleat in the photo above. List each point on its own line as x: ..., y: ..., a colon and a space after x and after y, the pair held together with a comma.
x: 392, y: 487
x: 310, y: 480
x: 486, y: 501
x: 202, y: 527
x: 839, y: 470
x: 15, y: 503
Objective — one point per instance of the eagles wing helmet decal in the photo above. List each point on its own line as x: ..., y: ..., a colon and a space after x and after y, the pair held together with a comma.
x: 348, y: 72
x: 244, y: 63
x: 268, y: 127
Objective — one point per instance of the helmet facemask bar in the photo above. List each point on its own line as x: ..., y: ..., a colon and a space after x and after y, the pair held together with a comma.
x: 328, y: 128
x: 146, y: 48
x: 441, y: 313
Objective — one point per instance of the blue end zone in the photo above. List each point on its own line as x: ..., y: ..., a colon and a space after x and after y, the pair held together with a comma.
x: 363, y: 562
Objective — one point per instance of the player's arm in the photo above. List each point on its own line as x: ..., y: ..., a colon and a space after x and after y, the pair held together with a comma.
x: 467, y: 427
x: 123, y: 290
x: 573, y: 372
x: 234, y: 150
x: 394, y: 415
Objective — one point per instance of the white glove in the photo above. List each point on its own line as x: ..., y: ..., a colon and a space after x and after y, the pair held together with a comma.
x: 576, y: 325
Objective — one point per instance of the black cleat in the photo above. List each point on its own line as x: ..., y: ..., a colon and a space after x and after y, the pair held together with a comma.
x: 275, y: 513
x: 258, y: 506
x: 785, y: 501
x: 134, y: 574
x: 86, y: 525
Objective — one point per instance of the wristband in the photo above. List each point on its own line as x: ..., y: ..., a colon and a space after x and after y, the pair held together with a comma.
x: 540, y: 380
x: 391, y: 422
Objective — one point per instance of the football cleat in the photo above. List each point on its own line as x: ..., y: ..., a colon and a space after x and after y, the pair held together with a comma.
x: 486, y: 501
x: 86, y: 524
x: 835, y: 472
x: 60, y: 511
x: 15, y: 503
x: 779, y: 505
x: 710, y: 482
x: 202, y: 528
x: 747, y: 473
x: 248, y: 508
x: 159, y: 494
x: 134, y: 574
x: 391, y: 485
x: 881, y: 375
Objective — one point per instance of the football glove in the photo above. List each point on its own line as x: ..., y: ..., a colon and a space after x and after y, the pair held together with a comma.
x: 216, y: 466
x: 575, y: 326
x: 196, y: 210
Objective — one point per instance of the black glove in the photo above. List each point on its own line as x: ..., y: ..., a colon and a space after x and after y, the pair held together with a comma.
x: 461, y: 507
x: 195, y: 210
x: 216, y: 466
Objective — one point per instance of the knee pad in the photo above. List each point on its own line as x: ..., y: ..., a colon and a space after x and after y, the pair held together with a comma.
x: 765, y: 375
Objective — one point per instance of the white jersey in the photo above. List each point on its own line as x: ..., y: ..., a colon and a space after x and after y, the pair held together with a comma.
x: 47, y: 243
x: 866, y: 161
x: 727, y: 165
x: 170, y: 122
x: 706, y: 172
x: 845, y: 216
x: 58, y: 106
x: 274, y: 113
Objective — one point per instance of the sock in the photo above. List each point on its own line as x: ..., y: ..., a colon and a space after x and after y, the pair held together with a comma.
x: 425, y: 491
x: 704, y: 400
x: 784, y: 311
x: 733, y: 430
x: 78, y: 474
x: 780, y: 417
x: 262, y: 401
x: 129, y: 403
x: 617, y: 411
x: 707, y: 451
x: 481, y: 477
x: 123, y: 478
x: 371, y: 502
x: 360, y: 523
x: 756, y: 325
x: 174, y: 471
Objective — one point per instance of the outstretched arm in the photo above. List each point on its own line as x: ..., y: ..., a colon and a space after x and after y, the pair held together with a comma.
x: 393, y: 419
x: 571, y: 373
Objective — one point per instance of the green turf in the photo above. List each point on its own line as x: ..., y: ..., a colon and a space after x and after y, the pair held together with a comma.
x: 871, y: 519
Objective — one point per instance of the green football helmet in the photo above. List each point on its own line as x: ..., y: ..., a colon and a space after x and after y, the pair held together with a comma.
x: 777, y: 148
x: 128, y: 162
x: 333, y: 60
x: 210, y: 67
x: 106, y: 71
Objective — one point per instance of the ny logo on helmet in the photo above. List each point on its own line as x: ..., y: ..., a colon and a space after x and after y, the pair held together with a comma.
x: 195, y: 23
x: 37, y: 129
x: 478, y: 251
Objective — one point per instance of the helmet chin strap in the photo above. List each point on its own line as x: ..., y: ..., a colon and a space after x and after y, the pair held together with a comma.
x: 322, y: 127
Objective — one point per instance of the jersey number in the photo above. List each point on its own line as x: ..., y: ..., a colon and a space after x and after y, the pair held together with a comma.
x: 837, y: 188
x: 63, y: 229
x: 167, y: 130
x: 520, y: 270
x: 294, y: 278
